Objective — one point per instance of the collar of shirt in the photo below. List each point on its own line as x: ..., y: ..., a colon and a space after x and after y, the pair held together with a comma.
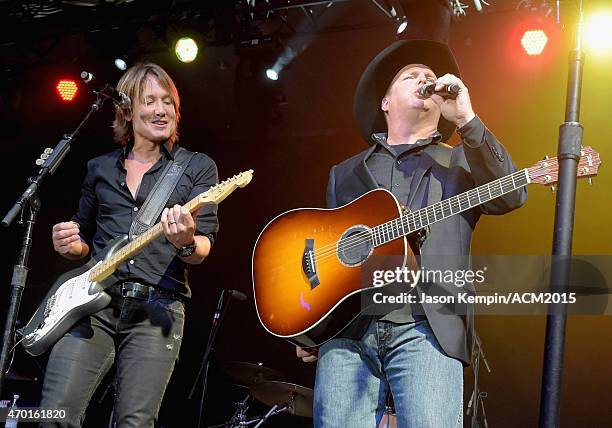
x: 168, y: 154
x: 380, y: 141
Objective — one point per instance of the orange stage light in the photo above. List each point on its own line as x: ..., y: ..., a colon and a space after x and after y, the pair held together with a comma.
x: 67, y: 89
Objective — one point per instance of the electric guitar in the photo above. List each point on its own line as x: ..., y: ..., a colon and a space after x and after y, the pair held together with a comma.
x: 307, y: 262
x: 80, y: 292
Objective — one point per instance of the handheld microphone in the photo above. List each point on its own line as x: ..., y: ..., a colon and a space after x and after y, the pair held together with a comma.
x: 448, y: 91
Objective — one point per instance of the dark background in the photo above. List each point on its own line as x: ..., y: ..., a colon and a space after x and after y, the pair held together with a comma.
x: 291, y: 134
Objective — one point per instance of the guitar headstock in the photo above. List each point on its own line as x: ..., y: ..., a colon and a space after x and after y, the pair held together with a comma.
x: 222, y: 190
x: 546, y: 171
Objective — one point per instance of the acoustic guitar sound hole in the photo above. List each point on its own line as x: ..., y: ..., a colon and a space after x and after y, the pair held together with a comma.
x: 355, y: 246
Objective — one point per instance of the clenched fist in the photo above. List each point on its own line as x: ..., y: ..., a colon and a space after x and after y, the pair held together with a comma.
x: 67, y: 242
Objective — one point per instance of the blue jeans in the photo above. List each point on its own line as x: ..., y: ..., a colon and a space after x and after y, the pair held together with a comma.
x: 141, y: 337
x: 354, y: 377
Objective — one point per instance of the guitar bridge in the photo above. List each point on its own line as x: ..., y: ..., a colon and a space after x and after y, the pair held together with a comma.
x: 309, y: 264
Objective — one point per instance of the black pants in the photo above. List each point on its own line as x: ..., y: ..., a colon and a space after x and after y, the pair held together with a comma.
x: 142, y: 337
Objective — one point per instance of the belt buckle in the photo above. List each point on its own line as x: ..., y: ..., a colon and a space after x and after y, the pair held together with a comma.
x: 135, y: 290
x: 124, y: 290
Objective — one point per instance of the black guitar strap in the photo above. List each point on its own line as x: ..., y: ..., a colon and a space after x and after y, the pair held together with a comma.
x: 159, y: 195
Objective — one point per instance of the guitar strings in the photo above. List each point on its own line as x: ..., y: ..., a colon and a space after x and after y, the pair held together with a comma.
x: 327, y: 251
x: 358, y: 238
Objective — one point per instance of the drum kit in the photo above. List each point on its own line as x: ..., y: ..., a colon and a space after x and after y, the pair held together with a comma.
x: 268, y: 386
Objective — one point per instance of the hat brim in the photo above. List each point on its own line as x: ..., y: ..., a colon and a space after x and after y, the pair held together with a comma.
x: 382, y: 69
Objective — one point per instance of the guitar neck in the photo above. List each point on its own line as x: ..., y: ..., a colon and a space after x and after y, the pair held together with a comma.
x: 107, y: 267
x: 417, y: 220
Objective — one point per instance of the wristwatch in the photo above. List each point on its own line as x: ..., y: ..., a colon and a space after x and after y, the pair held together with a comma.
x: 187, y: 250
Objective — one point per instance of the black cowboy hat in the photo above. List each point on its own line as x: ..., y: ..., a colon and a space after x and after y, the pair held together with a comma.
x: 382, y: 69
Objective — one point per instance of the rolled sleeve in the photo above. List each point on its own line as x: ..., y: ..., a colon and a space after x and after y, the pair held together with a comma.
x: 488, y: 160
x: 207, y: 222
x: 88, y: 206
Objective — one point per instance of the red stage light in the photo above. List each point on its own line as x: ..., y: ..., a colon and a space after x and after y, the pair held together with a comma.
x: 67, y: 89
x: 534, y: 41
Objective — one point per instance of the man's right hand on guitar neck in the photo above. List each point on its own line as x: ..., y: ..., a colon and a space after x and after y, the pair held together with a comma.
x: 67, y: 242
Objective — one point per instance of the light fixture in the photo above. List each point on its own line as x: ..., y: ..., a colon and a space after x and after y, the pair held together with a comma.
x: 186, y: 49
x: 120, y: 64
x: 534, y: 41
x: 272, y: 74
x: 66, y: 89
x: 598, y: 32
x: 401, y: 27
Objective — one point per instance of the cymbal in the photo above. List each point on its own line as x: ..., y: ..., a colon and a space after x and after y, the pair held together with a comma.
x: 249, y: 374
x: 297, y: 398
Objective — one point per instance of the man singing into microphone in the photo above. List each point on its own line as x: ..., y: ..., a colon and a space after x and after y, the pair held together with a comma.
x: 417, y: 352
x: 140, y: 331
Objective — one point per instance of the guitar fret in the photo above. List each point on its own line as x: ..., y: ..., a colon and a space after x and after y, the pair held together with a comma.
x: 450, y: 208
x: 415, y: 220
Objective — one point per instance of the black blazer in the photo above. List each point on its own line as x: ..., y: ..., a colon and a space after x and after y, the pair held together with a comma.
x: 479, y: 159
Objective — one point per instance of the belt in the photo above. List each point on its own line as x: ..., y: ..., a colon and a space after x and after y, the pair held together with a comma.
x: 136, y: 290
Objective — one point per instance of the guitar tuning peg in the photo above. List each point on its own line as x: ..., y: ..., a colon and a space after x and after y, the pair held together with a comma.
x: 590, y: 181
x: 552, y: 189
x: 39, y: 162
x: 546, y: 157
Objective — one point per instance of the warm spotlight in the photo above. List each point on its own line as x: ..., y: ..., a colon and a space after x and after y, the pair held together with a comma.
x: 534, y: 41
x: 186, y: 49
x: 66, y: 89
x: 598, y: 32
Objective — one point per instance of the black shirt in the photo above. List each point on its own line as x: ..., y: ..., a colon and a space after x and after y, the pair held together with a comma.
x: 107, y: 209
x: 394, y: 166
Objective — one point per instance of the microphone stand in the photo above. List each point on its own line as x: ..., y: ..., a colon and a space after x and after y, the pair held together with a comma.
x: 222, y: 305
x: 570, y: 144
x: 49, y: 161
x: 273, y: 411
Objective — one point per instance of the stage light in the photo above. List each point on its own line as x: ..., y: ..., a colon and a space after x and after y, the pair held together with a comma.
x: 534, y: 41
x: 403, y: 24
x: 598, y: 32
x: 186, y: 49
x: 272, y: 74
x: 67, y: 89
x: 120, y: 64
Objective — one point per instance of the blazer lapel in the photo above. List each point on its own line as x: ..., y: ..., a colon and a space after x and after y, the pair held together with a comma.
x: 364, y: 174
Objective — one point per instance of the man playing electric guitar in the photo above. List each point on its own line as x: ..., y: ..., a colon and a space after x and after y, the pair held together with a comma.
x: 418, y: 355
x: 141, y: 330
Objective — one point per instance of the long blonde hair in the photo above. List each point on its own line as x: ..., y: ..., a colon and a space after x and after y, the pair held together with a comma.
x: 132, y: 84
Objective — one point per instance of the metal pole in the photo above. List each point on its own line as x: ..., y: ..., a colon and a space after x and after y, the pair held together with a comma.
x: 570, y: 143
